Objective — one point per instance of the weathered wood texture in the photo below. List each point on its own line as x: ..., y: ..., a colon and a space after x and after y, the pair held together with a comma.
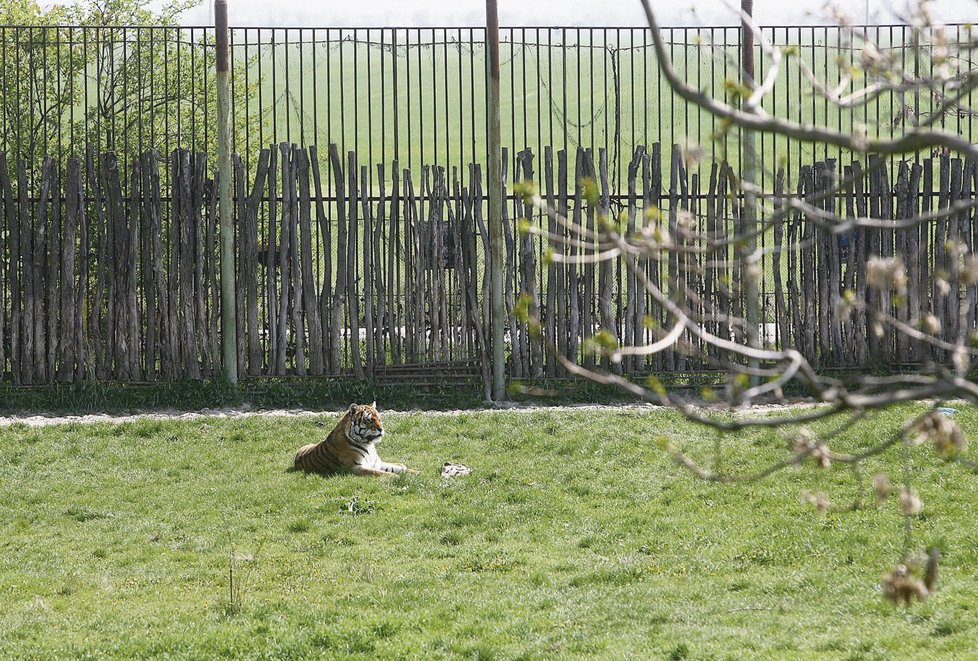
x: 109, y: 266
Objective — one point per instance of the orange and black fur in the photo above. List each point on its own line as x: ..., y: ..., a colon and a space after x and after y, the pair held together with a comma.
x: 350, y: 447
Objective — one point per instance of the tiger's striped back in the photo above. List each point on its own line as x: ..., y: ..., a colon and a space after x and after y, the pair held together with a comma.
x: 350, y: 446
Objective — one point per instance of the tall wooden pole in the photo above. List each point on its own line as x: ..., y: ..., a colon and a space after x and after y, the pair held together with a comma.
x: 229, y: 336
x: 496, y: 236
x: 748, y: 175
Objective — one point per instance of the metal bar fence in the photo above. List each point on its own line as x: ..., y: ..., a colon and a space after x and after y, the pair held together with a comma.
x: 415, y: 94
x: 408, y: 98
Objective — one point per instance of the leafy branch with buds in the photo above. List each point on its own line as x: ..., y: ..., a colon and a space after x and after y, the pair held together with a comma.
x: 763, y: 371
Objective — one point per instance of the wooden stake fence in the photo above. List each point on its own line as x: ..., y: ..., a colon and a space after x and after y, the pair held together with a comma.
x: 109, y: 270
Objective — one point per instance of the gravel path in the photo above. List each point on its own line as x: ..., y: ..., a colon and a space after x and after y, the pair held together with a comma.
x: 233, y: 413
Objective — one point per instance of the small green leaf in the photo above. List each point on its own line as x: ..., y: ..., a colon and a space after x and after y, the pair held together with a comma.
x: 526, y: 190
x: 736, y: 88
x: 604, y: 339
x: 589, y: 191
x: 521, y: 309
x: 653, y: 384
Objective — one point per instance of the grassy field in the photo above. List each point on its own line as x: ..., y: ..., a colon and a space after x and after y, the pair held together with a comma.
x: 574, y: 537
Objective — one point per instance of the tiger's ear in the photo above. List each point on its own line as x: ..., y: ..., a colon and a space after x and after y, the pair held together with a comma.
x: 353, y: 408
x: 373, y: 404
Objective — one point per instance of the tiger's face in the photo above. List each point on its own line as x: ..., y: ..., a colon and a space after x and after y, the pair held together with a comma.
x: 365, y: 424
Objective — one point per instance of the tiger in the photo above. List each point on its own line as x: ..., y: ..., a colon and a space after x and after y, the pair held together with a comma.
x: 350, y: 447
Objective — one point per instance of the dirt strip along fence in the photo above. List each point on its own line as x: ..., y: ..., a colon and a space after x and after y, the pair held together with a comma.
x: 110, y: 272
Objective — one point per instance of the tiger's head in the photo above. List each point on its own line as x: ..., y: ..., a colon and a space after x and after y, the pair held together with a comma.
x: 364, y: 424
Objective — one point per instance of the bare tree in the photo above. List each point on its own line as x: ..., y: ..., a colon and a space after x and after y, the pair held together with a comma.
x: 933, y: 311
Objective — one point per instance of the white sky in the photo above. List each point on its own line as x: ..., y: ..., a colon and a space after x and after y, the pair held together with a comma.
x: 465, y: 13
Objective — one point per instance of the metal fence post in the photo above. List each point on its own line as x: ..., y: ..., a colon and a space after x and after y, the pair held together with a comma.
x: 229, y: 339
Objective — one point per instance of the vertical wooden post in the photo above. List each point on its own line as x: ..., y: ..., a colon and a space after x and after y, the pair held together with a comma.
x: 495, y: 205
x: 748, y: 254
x: 229, y: 340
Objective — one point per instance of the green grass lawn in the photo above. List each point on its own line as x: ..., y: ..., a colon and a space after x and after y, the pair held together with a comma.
x: 574, y: 537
